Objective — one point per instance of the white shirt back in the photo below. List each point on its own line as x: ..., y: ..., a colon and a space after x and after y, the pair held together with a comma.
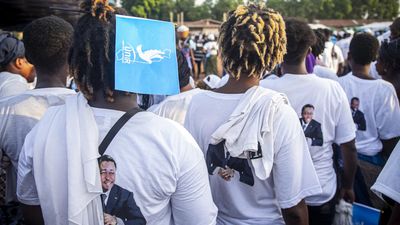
x: 332, y: 56
x: 332, y: 113
x: 325, y: 72
x: 18, y: 115
x: 380, y: 107
x: 239, y: 203
x: 175, y: 107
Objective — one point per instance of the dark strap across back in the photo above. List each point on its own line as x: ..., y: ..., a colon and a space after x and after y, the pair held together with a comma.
x: 115, y: 129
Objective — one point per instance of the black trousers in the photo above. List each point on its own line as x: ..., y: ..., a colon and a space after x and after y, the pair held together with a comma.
x: 323, y: 214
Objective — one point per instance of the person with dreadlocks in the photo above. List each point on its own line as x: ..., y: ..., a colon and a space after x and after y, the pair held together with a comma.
x: 15, y: 70
x: 330, y: 113
x: 47, y: 42
x: 158, y: 160
x: 388, y: 63
x: 316, y: 50
x: 257, y: 157
x: 378, y: 100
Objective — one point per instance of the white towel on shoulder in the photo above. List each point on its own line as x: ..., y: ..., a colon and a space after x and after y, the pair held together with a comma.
x: 67, y: 175
x: 251, y: 123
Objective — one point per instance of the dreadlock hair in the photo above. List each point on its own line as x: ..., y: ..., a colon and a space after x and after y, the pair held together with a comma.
x: 319, y: 45
x: 183, y: 69
x: 300, y: 38
x: 389, y: 55
x: 252, y: 40
x: 92, y: 53
x: 364, y: 48
x: 47, y: 42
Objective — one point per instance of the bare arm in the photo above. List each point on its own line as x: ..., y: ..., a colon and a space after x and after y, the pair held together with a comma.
x: 297, y: 215
x: 388, y: 146
x: 32, y: 214
x: 395, y: 218
x: 349, y: 154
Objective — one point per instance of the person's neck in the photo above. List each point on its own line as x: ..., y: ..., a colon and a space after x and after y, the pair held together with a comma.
x: 361, y: 71
x: 121, y: 102
x: 234, y: 86
x: 297, y: 69
x: 53, y: 79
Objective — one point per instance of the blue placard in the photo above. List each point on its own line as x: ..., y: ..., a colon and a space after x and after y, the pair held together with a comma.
x: 365, y: 215
x: 145, y: 56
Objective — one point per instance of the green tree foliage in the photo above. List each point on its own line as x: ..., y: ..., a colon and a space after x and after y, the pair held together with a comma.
x: 309, y: 9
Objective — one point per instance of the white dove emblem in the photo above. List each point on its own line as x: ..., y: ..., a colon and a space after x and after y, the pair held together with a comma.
x: 151, y: 55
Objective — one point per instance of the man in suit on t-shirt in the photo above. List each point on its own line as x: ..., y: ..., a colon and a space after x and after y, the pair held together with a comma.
x: 119, y: 204
x: 312, y: 129
x: 358, y: 116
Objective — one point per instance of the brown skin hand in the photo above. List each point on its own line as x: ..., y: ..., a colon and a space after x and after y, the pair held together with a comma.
x: 349, y: 154
x: 121, y: 102
x: 297, y: 215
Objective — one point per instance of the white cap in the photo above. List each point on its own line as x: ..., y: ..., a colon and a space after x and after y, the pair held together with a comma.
x: 183, y: 28
x: 212, y: 81
x: 211, y: 37
x: 223, y: 81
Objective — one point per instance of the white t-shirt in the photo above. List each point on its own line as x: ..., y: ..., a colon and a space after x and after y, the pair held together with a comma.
x: 332, y: 123
x: 12, y: 84
x: 388, y: 182
x: 18, y: 115
x: 380, y: 109
x: 344, y: 45
x: 373, y: 72
x: 211, y: 48
x: 329, y: 60
x: 174, y: 107
x: 325, y: 72
x: 239, y: 203
x: 157, y: 160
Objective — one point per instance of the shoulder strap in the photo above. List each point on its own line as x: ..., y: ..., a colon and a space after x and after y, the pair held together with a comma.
x: 117, y: 126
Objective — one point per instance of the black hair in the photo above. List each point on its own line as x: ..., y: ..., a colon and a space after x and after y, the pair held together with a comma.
x: 47, y: 42
x: 389, y: 55
x: 107, y: 158
x: 183, y: 69
x: 92, y: 54
x: 306, y: 106
x: 300, y: 38
x: 252, y: 40
x: 395, y: 28
x: 354, y: 99
x: 364, y: 48
x: 319, y: 45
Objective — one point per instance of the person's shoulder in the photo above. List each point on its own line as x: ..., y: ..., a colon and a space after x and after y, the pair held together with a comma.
x: 385, y: 88
x: 315, y: 123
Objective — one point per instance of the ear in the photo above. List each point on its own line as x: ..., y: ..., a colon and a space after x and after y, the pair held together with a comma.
x: 19, y: 63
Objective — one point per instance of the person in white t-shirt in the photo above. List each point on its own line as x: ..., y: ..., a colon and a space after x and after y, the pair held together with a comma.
x: 174, y: 107
x: 158, y: 160
x: 388, y: 184
x: 378, y: 102
x: 323, y: 110
x: 15, y: 70
x: 317, y: 49
x: 47, y: 42
x: 332, y: 57
x: 257, y: 157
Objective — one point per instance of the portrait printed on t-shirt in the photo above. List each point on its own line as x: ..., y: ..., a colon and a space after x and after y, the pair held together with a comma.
x: 358, y: 116
x: 312, y: 129
x: 118, y: 203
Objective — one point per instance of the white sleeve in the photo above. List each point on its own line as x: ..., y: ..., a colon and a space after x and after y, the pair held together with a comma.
x: 26, y: 186
x: 192, y: 203
x: 13, y: 88
x: 345, y: 129
x: 388, y: 115
x: 293, y: 171
x: 339, y: 54
x: 388, y: 182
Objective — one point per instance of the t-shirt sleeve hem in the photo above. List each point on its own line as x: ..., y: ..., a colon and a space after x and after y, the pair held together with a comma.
x: 346, y: 139
x: 32, y: 201
x: 314, y: 190
x: 379, y: 188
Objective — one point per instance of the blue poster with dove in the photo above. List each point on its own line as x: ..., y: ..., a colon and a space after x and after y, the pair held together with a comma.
x: 145, y: 60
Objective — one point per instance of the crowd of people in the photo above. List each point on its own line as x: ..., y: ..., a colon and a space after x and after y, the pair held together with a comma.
x: 296, y: 124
